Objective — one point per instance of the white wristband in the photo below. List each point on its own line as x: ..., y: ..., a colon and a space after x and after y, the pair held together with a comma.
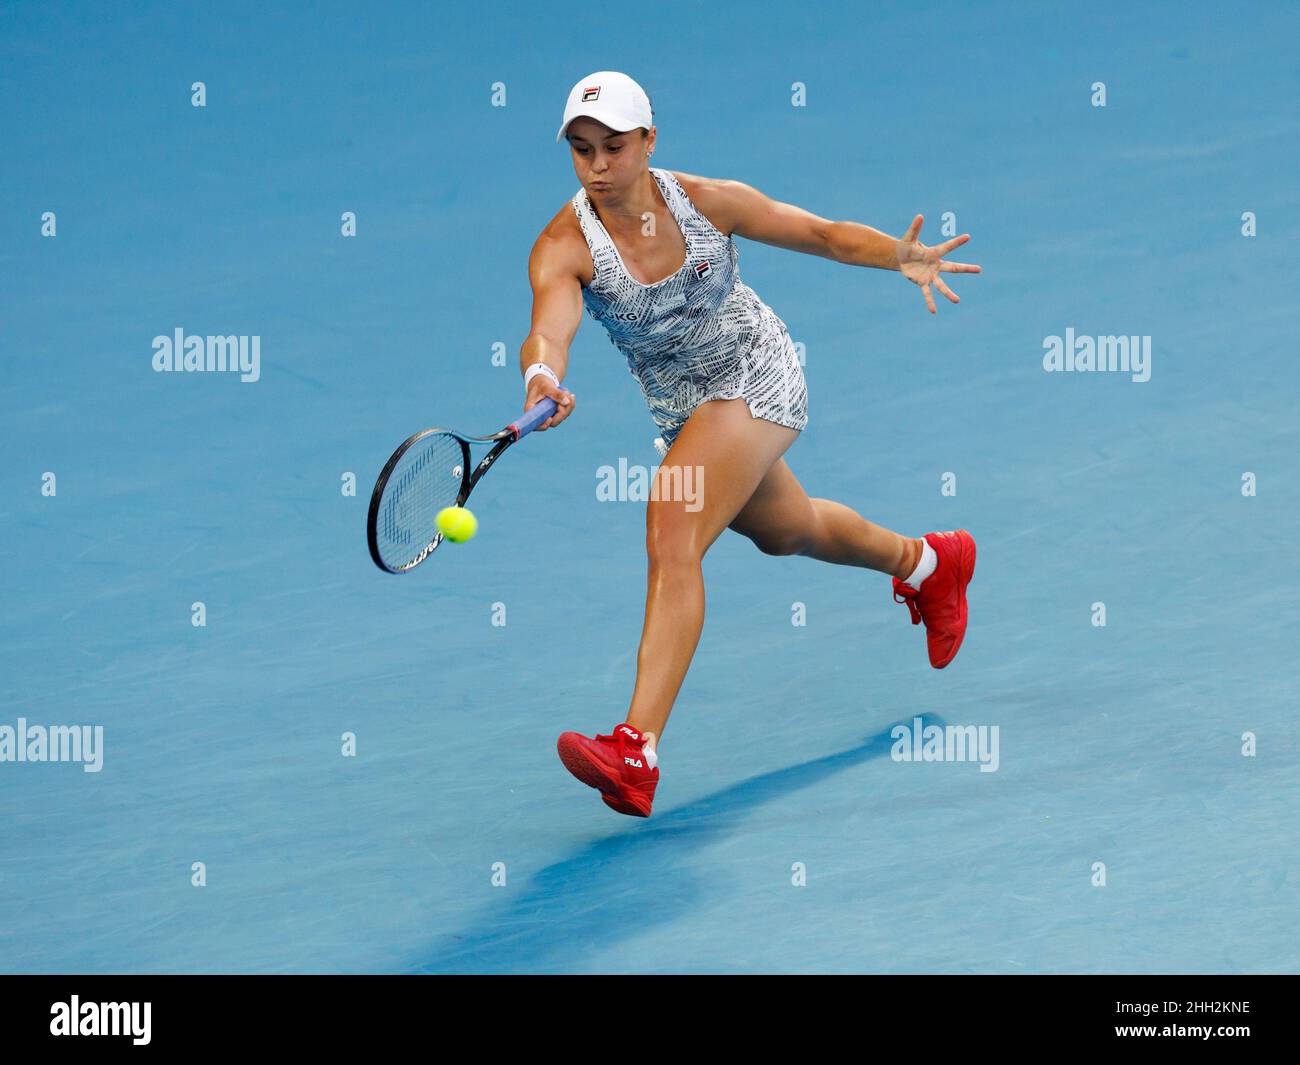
x: 535, y: 369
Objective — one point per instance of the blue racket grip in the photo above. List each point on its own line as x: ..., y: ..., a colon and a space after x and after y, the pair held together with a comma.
x: 532, y: 418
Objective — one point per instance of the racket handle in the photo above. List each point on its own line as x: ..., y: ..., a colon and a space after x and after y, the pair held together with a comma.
x: 532, y: 418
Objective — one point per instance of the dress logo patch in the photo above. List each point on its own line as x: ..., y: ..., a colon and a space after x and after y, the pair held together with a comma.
x: 704, y: 269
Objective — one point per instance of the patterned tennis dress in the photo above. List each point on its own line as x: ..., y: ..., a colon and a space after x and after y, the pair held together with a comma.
x: 699, y: 334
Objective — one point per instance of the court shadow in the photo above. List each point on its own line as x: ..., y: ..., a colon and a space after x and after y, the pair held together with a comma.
x: 625, y: 883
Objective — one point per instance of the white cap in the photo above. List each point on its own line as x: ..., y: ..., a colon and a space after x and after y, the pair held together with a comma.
x: 611, y: 98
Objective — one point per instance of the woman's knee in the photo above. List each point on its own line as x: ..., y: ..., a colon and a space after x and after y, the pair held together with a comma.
x: 790, y: 527
x: 671, y: 536
x: 786, y: 542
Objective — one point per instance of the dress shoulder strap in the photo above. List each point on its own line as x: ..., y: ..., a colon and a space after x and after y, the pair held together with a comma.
x: 675, y: 196
x: 597, y: 239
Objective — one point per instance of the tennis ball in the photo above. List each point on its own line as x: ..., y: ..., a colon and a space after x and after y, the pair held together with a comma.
x: 457, y: 524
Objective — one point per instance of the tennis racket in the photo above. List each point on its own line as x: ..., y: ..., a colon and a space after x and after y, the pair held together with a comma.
x: 432, y: 470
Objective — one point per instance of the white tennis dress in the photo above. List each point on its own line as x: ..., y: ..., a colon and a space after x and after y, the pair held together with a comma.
x: 699, y: 334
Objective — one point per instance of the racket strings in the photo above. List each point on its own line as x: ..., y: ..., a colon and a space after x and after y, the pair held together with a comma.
x: 426, y: 479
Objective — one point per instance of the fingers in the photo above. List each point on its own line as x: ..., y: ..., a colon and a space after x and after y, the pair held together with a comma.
x: 955, y: 268
x: 914, y: 228
x: 937, y: 265
x: 565, y: 402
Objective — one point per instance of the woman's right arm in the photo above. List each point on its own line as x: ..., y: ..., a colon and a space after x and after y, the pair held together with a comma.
x: 553, y: 273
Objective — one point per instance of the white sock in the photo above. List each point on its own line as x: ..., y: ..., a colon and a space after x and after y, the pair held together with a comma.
x: 929, y: 560
x: 651, y: 758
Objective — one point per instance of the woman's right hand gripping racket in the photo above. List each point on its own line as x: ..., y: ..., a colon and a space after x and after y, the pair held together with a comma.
x: 430, y: 471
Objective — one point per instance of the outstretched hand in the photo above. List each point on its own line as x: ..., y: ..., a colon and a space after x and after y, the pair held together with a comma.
x: 923, y: 265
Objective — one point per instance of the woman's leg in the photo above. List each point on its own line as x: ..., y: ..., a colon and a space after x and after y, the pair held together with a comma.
x: 724, y: 453
x: 782, y: 520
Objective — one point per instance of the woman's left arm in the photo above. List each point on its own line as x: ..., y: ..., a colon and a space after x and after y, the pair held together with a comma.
x: 737, y: 208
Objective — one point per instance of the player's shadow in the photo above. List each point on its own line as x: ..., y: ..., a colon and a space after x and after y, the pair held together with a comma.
x: 623, y: 884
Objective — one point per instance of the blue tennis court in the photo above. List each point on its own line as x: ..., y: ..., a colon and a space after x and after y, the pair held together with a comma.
x: 309, y: 766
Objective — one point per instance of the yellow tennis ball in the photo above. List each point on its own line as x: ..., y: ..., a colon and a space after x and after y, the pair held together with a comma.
x: 457, y: 524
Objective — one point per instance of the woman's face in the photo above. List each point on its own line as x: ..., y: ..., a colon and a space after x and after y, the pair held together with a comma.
x: 607, y: 163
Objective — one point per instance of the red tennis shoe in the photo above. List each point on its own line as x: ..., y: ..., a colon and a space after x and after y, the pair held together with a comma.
x: 941, y: 600
x: 614, y: 765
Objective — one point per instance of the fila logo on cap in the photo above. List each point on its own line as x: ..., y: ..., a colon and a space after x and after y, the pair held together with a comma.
x: 612, y: 99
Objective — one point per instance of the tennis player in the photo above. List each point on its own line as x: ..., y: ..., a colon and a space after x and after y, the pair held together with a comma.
x: 650, y: 254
